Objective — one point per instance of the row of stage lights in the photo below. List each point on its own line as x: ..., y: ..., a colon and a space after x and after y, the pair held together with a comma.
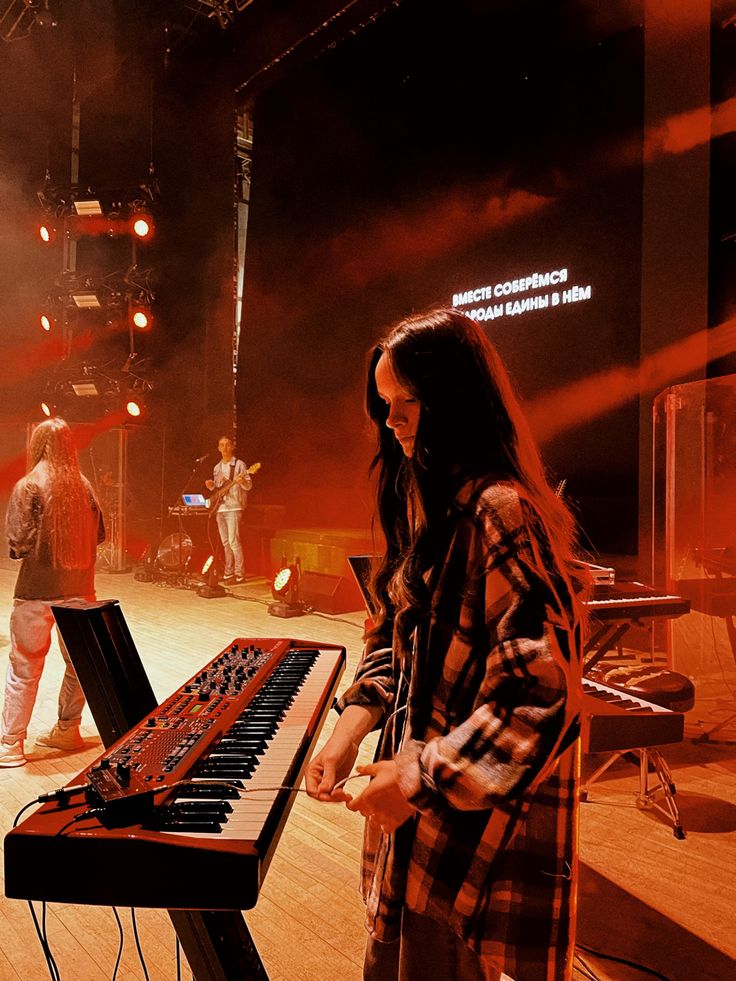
x: 140, y: 316
x: 120, y: 296
x: 142, y: 227
x: 120, y: 300
x: 88, y: 393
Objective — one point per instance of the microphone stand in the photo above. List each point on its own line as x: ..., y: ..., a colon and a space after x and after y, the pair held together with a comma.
x: 182, y: 579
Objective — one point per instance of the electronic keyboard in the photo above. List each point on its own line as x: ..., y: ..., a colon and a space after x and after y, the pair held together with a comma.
x: 186, y: 809
x: 613, y: 720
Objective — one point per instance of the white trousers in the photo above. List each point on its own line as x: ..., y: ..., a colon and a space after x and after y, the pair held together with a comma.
x: 31, y: 623
x: 228, y: 524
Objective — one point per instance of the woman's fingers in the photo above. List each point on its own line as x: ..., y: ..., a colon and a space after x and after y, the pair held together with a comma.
x: 313, y: 777
x: 321, y: 780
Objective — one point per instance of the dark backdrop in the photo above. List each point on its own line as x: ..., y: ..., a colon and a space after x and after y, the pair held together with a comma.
x: 444, y: 147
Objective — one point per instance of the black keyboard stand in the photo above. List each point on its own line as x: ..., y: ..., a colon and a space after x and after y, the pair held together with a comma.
x: 603, y: 638
x: 646, y: 798
x: 216, y: 943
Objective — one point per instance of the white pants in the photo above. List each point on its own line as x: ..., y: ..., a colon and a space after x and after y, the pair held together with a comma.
x: 228, y: 524
x: 31, y: 623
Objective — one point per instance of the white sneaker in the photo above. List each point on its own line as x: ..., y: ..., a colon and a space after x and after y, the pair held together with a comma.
x: 66, y: 739
x: 11, y: 754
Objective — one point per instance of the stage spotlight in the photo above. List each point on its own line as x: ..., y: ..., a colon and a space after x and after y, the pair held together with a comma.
x: 133, y: 409
x: 47, y: 409
x: 46, y: 321
x: 142, y: 226
x: 47, y: 233
x: 140, y: 317
x: 285, y: 591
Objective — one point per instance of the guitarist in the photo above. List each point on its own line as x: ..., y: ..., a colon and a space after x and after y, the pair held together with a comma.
x: 229, y: 509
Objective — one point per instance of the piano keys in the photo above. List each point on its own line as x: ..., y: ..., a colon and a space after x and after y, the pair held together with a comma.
x: 634, y: 601
x: 616, y: 607
x: 613, y: 720
x: 188, y: 806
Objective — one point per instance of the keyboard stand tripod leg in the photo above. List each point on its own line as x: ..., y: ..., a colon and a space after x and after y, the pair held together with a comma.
x: 647, y: 795
x: 218, y: 945
x: 598, y: 773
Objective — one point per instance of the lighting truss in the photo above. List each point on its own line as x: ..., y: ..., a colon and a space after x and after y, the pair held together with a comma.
x: 117, y: 291
x: 222, y: 11
x: 85, y: 201
x: 19, y: 17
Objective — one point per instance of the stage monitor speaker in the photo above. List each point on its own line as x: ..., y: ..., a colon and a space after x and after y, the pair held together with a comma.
x: 328, y: 593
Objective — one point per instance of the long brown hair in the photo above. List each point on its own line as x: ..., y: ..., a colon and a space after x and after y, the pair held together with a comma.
x: 69, y: 523
x: 470, y: 427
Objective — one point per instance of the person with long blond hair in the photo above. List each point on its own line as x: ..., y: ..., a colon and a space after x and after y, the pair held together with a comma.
x: 472, y: 670
x: 53, y: 526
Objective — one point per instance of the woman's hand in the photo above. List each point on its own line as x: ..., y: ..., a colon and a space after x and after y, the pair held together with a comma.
x: 382, y: 800
x: 335, y: 760
x: 331, y: 765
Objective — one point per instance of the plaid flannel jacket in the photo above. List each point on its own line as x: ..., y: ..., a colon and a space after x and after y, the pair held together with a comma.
x: 486, y: 751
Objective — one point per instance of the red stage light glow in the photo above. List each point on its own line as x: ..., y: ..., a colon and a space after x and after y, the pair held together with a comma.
x: 686, y: 130
x: 560, y: 411
x: 388, y: 242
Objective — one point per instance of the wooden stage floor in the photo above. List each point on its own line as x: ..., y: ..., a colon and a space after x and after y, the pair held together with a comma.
x: 644, y: 896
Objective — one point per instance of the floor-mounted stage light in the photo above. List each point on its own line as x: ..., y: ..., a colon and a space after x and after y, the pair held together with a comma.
x: 211, y: 588
x: 147, y: 571
x: 285, y: 591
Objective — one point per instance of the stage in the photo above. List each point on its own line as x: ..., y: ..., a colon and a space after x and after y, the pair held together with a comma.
x: 644, y: 895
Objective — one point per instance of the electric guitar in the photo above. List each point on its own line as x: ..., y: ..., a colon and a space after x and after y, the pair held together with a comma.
x: 219, y: 492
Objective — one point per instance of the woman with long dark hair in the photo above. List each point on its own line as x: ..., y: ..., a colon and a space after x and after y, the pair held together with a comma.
x: 471, y: 668
x: 53, y: 525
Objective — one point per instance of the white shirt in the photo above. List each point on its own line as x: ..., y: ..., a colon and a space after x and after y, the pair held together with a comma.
x: 237, y: 496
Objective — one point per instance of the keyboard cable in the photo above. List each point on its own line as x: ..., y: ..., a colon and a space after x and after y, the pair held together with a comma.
x: 120, y: 945
x: 138, y: 943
